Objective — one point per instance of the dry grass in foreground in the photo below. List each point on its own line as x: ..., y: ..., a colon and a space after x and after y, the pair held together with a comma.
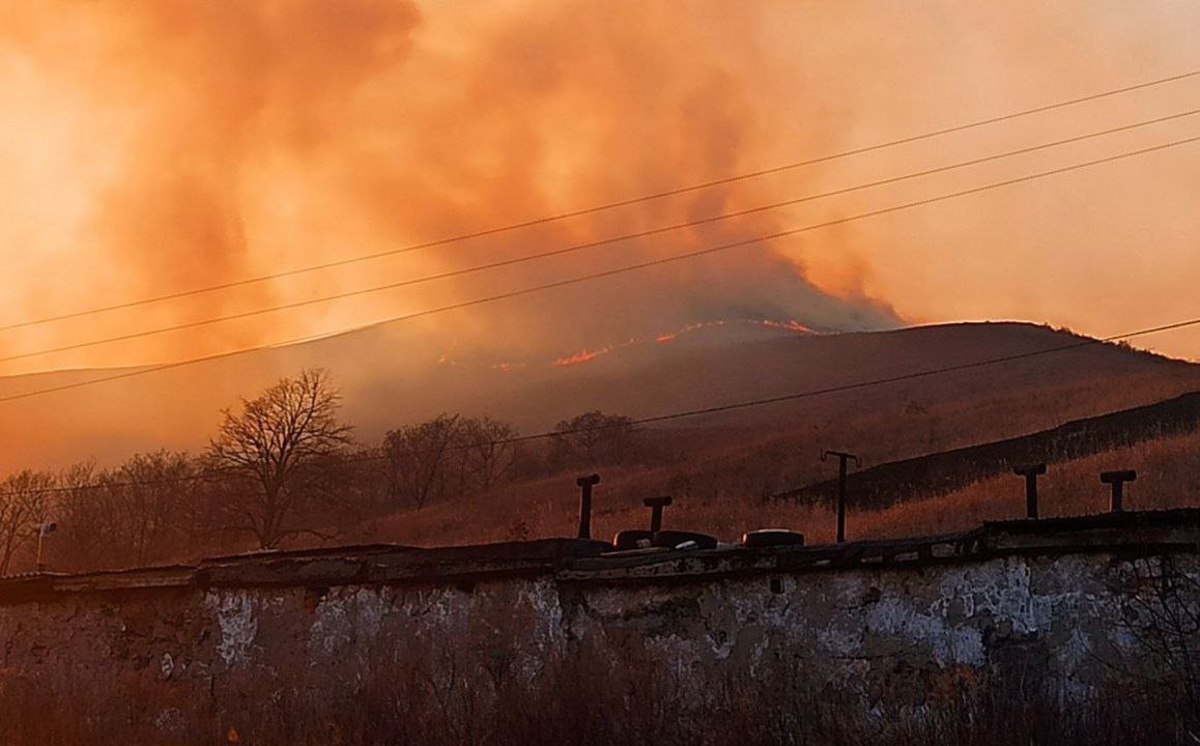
x: 1168, y: 477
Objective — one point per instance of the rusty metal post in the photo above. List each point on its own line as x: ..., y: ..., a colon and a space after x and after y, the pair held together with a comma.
x: 842, y: 458
x: 1118, y: 479
x: 585, y: 504
x: 44, y: 529
x: 1031, y: 474
x: 656, y: 505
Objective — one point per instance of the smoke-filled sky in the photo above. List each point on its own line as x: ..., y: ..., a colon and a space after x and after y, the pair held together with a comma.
x: 151, y: 148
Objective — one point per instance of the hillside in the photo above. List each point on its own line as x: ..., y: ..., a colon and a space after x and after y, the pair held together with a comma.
x: 939, y: 493
x: 1168, y: 477
x: 950, y: 471
x: 385, y: 385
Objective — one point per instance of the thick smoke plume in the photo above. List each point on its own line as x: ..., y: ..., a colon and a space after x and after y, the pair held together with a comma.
x: 152, y: 148
x: 215, y: 141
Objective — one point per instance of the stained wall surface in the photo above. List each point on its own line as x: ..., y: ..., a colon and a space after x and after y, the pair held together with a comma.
x: 884, y: 625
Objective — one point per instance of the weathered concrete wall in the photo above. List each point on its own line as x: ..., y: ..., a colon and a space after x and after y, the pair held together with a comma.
x: 887, y: 625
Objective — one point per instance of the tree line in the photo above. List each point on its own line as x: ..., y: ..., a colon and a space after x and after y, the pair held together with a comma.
x: 281, y: 466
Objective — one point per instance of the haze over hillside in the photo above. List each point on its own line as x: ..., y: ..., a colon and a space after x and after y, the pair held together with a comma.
x: 386, y: 383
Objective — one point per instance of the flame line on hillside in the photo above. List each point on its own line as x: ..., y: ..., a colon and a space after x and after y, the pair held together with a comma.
x: 589, y: 354
x: 601, y: 242
x: 215, y: 476
x: 610, y: 205
x: 620, y: 270
x: 586, y: 356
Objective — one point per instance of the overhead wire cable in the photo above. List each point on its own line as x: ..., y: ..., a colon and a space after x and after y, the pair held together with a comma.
x: 654, y: 419
x: 610, y: 272
x: 597, y: 243
x: 613, y: 205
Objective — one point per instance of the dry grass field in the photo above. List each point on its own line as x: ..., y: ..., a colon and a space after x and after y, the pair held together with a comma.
x: 1168, y: 476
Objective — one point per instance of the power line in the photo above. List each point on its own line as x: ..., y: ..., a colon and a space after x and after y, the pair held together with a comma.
x: 616, y: 271
x: 611, y: 205
x: 594, y: 244
x: 811, y: 393
x: 920, y: 374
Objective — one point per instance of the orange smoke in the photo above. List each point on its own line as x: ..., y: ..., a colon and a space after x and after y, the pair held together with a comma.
x: 157, y: 147
x: 178, y: 144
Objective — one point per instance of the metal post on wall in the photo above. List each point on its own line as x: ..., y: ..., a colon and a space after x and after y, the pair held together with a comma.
x: 1118, y: 479
x: 656, y: 505
x: 585, y: 504
x: 44, y: 529
x: 842, y: 458
x: 1031, y: 474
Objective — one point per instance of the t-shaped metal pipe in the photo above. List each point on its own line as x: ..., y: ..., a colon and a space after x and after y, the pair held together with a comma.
x: 585, y: 504
x: 1118, y: 479
x: 1031, y: 473
x: 656, y: 505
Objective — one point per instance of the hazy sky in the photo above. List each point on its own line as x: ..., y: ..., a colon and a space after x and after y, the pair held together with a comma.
x: 156, y: 147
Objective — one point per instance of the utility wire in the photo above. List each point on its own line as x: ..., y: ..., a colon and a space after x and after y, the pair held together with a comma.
x: 601, y: 242
x: 215, y: 475
x: 616, y: 271
x: 611, y: 205
x: 588, y: 245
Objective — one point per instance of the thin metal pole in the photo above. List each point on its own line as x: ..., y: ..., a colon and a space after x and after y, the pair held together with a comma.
x: 585, y: 504
x: 841, y: 502
x: 842, y: 458
x: 656, y: 505
x: 1031, y: 474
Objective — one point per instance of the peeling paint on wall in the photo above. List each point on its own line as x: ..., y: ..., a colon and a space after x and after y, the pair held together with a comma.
x: 885, y: 634
x: 234, y: 614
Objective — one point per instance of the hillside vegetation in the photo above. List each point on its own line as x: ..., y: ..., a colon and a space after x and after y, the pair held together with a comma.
x: 466, y: 476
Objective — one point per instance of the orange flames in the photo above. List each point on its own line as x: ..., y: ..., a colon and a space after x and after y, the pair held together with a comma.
x: 158, y: 147
x: 587, y: 356
x: 791, y: 326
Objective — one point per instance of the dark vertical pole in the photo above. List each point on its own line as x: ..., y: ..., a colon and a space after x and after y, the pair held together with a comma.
x: 656, y: 505
x: 842, y: 458
x: 1031, y: 474
x: 841, y: 505
x: 1117, y: 480
x: 585, y: 504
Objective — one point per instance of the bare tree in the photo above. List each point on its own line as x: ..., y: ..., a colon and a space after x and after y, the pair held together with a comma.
x: 1161, y: 614
x: 284, y: 446
x: 488, y: 451
x: 23, y: 500
x: 419, y: 458
x: 155, y: 512
x: 593, y: 438
x: 85, y: 516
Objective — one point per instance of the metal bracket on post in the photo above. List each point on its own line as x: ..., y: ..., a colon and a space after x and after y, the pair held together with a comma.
x: 585, y: 504
x: 1031, y: 474
x: 1118, y: 479
x: 841, y: 500
x: 656, y: 505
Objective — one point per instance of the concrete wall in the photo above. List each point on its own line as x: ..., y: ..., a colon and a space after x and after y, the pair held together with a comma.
x: 884, y: 625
